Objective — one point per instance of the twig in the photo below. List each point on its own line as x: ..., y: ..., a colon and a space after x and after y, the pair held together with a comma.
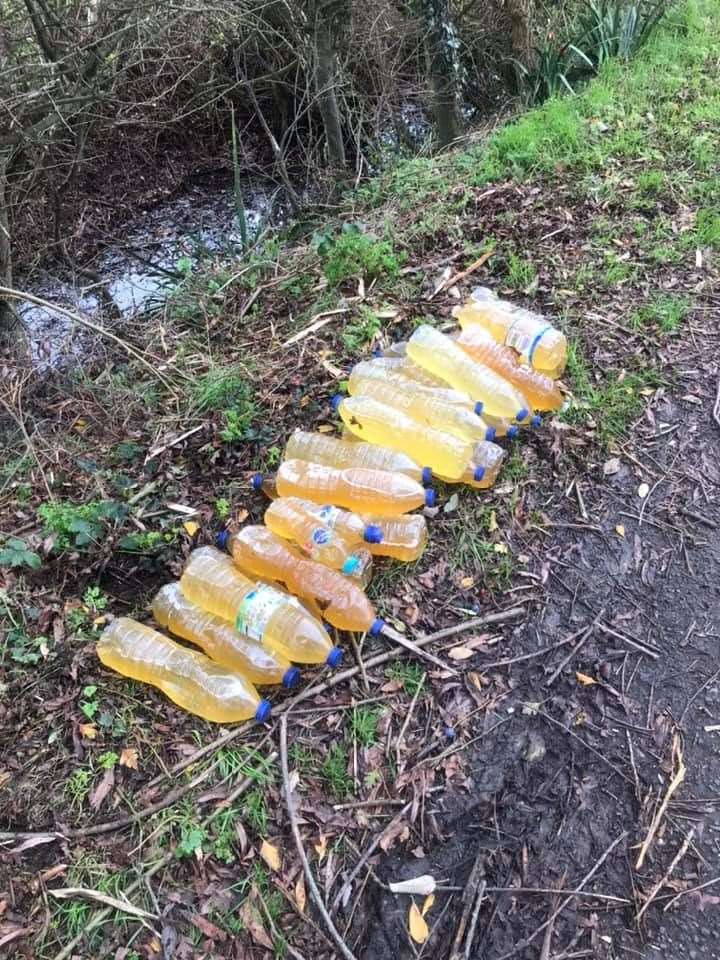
x: 502, y: 616
x: 683, y: 893
x: 312, y: 886
x: 586, y: 634
x: 556, y: 913
x: 663, y: 880
x: 156, y: 451
x: 473, y: 921
x: 638, y: 645
x: 585, y: 744
x: 83, y: 321
x: 674, y: 784
x: 66, y: 893
x: 318, y: 322
x: 414, y: 648
x: 697, y: 693
x: 457, y: 277
x: 474, y: 889
x: 401, y: 735
x: 716, y: 408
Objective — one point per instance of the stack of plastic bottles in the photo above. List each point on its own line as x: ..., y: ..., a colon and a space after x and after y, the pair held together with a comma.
x: 430, y: 407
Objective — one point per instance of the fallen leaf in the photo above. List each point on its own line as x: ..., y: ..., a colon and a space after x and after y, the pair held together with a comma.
x: 643, y: 490
x: 242, y: 515
x: 584, y: 679
x: 461, y: 653
x: 418, y: 928
x: 452, y: 504
x: 207, y: 928
x: 429, y: 901
x: 102, y: 789
x: 325, y: 428
x: 88, y: 730
x: 492, y: 523
x: 321, y: 847
x: 423, y: 886
x: 476, y: 680
x: 129, y: 758
x: 191, y: 528
x: 249, y: 915
x: 611, y: 466
x: 270, y: 855
x: 467, y: 582
x: 80, y: 425
x: 620, y: 530
x: 500, y: 548
x: 300, y: 898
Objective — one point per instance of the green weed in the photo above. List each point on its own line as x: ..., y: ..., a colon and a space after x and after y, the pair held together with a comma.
x: 409, y: 674
x: 77, y: 787
x: 255, y: 810
x: 707, y: 227
x: 89, y: 704
x: 353, y: 253
x: 521, y: 273
x: 363, y: 725
x: 14, y: 553
x: 147, y: 541
x: 665, y: 312
x: 356, y: 336
x: 78, y: 525
x: 651, y: 182
x: 222, y: 508
x: 334, y: 771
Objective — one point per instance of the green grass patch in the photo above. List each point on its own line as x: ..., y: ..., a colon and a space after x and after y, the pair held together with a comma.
x: 664, y: 312
x: 363, y: 725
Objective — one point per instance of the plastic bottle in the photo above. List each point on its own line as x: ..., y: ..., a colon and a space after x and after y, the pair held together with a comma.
x: 379, y: 423
x: 483, y: 469
x: 404, y: 538
x: 219, y: 640
x: 364, y: 491
x: 420, y: 404
x: 442, y: 356
x: 541, y: 391
x: 314, y: 529
x: 212, y: 581
x: 334, y: 452
x: 538, y: 343
x: 257, y: 550
x: 189, y: 678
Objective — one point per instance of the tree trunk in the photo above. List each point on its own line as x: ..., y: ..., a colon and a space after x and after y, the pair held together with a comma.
x: 444, y: 69
x: 10, y: 327
x: 520, y: 13
x: 324, y: 13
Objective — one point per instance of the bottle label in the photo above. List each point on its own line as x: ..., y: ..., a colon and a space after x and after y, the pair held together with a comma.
x: 318, y: 538
x: 525, y: 341
x: 256, y: 609
x: 329, y: 515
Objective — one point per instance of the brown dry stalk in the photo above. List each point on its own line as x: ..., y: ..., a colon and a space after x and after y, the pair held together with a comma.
x: 674, y: 784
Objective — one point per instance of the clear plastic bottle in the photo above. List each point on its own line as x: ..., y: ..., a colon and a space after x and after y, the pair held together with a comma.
x: 403, y: 538
x: 483, y: 469
x: 357, y: 489
x: 379, y: 423
x: 540, y: 391
x: 334, y: 452
x: 538, y: 342
x: 314, y: 529
x: 436, y: 352
x: 219, y: 640
x: 260, y: 553
x: 189, y: 678
x: 212, y: 581
x: 419, y: 404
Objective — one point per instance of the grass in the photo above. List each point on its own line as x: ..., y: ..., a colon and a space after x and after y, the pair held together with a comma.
x: 363, y: 725
x: 409, y: 674
x: 227, y: 391
x: 333, y: 771
x: 666, y: 313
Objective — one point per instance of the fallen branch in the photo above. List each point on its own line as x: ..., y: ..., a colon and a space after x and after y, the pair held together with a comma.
x: 457, y: 277
x: 674, y: 784
x: 585, y: 635
x: 472, y: 895
x: 684, y: 893
x: 312, y: 886
x: 398, y: 637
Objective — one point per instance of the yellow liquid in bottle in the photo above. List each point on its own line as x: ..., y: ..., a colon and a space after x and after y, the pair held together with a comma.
x: 378, y: 423
x: 219, y: 640
x: 258, y: 551
x: 187, y: 677
x: 540, y: 345
x: 403, y: 538
x: 541, y: 392
x: 335, y: 452
x: 483, y: 469
x: 443, y: 357
x: 357, y: 489
x: 395, y: 373
x: 212, y: 581
x: 417, y: 403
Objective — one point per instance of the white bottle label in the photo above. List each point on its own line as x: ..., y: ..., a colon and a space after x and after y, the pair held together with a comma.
x: 329, y: 516
x: 256, y: 609
x: 525, y: 341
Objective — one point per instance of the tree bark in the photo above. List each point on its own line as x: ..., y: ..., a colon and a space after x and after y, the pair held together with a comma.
x: 11, y: 330
x: 444, y: 69
x: 324, y: 14
x: 520, y: 13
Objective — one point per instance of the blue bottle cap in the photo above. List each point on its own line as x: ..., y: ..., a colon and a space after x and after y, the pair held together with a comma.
x: 221, y: 539
x: 521, y: 414
x: 429, y: 497
x: 478, y: 474
x: 536, y: 420
x: 350, y: 566
x: 377, y: 352
x: 449, y: 733
x: 263, y: 711
x: 334, y: 658
x: 373, y: 534
x: 257, y: 481
x: 376, y: 627
x: 490, y: 433
x: 426, y: 476
x: 336, y: 401
x: 512, y: 432
x: 290, y: 677
x: 479, y: 407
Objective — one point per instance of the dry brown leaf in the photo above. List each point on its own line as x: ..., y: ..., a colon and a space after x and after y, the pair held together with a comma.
x: 242, y: 515
x: 429, y: 901
x: 207, y: 928
x: 584, y: 679
x: 416, y: 924
x: 191, y: 528
x: 250, y: 917
x: 611, y: 466
x: 467, y: 582
x: 129, y: 758
x: 88, y: 730
x: 476, y: 680
x: 300, y: 898
x: 325, y: 428
x: 102, y: 789
x: 461, y: 653
x: 270, y: 855
x: 321, y: 847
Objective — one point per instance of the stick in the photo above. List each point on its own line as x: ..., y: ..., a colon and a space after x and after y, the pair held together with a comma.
x: 586, y: 745
x: 65, y: 893
x: 83, y: 321
x: 319, y: 321
x: 502, y: 616
x: 474, y: 889
x: 700, y: 886
x: 716, y: 408
x: 556, y: 913
x: 312, y: 886
x: 674, y: 784
x: 638, y: 645
x: 457, y: 277
x: 587, y: 633
x: 414, y: 648
x: 661, y: 882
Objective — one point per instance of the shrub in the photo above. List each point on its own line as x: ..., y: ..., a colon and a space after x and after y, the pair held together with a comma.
x: 356, y: 254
